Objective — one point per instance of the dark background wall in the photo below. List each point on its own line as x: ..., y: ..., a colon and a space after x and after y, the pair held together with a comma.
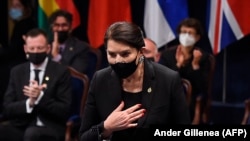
x: 4, y: 22
x: 237, y: 54
x: 236, y: 70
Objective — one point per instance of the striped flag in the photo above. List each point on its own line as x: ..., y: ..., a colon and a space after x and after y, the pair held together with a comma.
x: 102, y: 13
x: 47, y: 7
x: 228, y: 21
x: 162, y: 18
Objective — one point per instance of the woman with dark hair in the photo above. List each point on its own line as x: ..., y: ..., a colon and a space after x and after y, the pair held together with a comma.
x: 189, y: 60
x: 132, y: 93
x: 20, y: 12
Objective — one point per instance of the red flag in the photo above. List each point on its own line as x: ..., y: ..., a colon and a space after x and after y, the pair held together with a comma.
x: 102, y: 13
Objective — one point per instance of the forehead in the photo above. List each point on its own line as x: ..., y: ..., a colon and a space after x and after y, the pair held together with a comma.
x: 16, y: 3
x: 186, y: 28
x: 149, y: 44
x: 116, y: 47
x: 60, y: 19
x: 36, y: 41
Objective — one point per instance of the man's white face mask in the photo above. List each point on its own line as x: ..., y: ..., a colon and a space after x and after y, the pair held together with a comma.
x: 186, y: 39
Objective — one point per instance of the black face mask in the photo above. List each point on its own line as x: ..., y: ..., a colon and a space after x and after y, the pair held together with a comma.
x: 37, y: 58
x: 123, y: 70
x: 62, y: 36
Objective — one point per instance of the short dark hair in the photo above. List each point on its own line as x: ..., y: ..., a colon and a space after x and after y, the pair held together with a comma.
x: 35, y: 32
x: 193, y: 23
x: 26, y: 3
x: 61, y: 13
x: 126, y: 33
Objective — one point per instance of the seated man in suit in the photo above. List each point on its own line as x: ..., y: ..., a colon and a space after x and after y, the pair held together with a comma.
x: 67, y: 49
x: 38, y: 97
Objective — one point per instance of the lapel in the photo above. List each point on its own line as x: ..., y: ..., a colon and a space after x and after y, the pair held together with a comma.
x: 47, y: 74
x: 69, y: 48
x: 148, y: 89
x: 26, y: 74
x: 115, y: 88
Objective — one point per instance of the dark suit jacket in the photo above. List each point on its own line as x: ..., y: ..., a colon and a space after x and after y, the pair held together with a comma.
x: 75, y: 54
x: 162, y: 97
x: 53, y: 108
x: 198, y: 78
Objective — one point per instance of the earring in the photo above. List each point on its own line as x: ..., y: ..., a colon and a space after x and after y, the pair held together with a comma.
x: 141, y: 59
x: 27, y: 56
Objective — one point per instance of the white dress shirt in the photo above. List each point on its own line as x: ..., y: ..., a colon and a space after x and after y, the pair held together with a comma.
x: 42, y: 68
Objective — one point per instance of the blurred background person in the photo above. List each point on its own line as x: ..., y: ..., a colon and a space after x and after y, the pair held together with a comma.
x: 37, y: 100
x: 20, y: 12
x: 67, y: 49
x: 190, y: 61
x: 150, y: 50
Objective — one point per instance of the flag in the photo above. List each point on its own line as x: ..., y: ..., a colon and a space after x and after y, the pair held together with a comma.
x: 102, y: 13
x: 161, y: 18
x: 228, y: 21
x: 47, y: 7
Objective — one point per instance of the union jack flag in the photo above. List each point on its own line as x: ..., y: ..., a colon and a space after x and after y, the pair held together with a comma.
x: 228, y: 21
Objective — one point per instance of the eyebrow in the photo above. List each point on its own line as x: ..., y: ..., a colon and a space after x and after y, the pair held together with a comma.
x: 125, y: 51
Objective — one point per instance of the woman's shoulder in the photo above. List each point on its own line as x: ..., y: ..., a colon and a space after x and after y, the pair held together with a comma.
x: 164, y: 70
x: 104, y: 72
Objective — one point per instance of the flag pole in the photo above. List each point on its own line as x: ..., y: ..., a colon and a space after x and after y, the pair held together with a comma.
x: 224, y: 88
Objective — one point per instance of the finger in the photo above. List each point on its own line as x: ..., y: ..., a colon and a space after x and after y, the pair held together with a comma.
x: 33, y: 82
x: 120, y: 107
x: 132, y: 125
x: 26, y: 90
x: 26, y: 87
x: 26, y: 94
x: 179, y: 50
x: 55, y: 36
x: 133, y: 108
x: 136, y: 115
x: 43, y: 86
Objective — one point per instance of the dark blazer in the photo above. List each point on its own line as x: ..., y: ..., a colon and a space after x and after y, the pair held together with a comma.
x: 75, y: 54
x: 198, y: 78
x: 162, y: 97
x: 53, y: 108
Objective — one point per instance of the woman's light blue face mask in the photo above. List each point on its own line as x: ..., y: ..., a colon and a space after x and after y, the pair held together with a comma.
x: 15, y: 13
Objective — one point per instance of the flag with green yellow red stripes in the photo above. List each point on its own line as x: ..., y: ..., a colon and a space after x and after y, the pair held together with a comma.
x: 47, y: 7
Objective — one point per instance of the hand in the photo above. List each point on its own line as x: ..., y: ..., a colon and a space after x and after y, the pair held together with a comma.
x: 119, y: 120
x: 196, y: 60
x: 55, y: 45
x: 179, y: 57
x: 33, y: 91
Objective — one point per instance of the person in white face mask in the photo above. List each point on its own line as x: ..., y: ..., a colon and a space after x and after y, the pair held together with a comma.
x: 190, y: 61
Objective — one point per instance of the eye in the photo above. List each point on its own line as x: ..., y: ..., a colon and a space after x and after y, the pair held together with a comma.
x: 31, y: 48
x: 111, y: 54
x: 125, y: 54
x: 39, y: 48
